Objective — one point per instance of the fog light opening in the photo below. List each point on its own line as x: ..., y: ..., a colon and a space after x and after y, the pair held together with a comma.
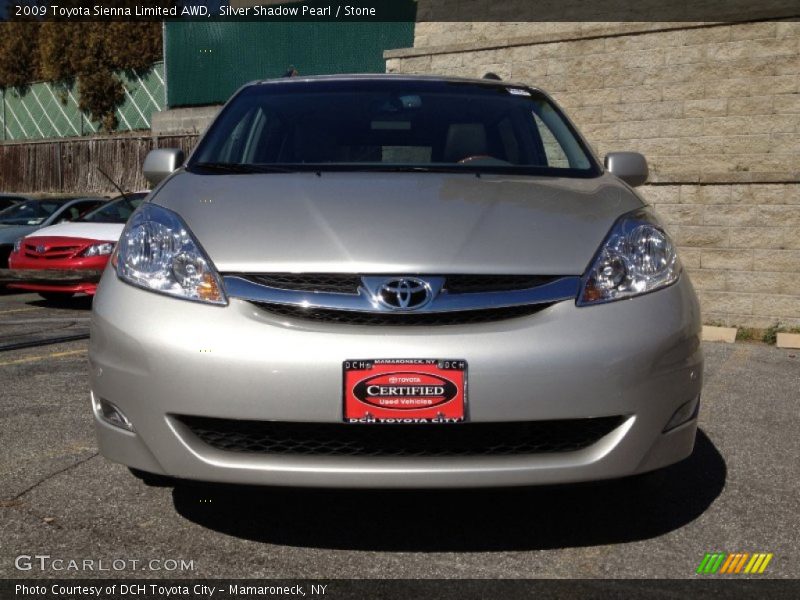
x: 685, y: 413
x: 113, y: 415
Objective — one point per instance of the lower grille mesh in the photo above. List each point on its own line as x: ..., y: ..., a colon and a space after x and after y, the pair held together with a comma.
x: 340, y: 439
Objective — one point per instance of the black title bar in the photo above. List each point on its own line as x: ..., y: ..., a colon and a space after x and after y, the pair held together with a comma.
x: 407, y: 10
x: 400, y: 589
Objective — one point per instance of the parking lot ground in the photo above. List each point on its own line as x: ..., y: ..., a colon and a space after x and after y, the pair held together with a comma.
x: 739, y: 492
x: 26, y: 318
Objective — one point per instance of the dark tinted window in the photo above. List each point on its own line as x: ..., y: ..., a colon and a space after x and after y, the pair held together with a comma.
x: 76, y: 209
x: 6, y: 201
x: 32, y: 212
x: 395, y: 123
x: 115, y: 211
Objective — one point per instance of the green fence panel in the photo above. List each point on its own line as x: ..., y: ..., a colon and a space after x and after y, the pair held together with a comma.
x: 144, y: 95
x: 40, y: 110
x: 50, y: 110
x: 207, y: 62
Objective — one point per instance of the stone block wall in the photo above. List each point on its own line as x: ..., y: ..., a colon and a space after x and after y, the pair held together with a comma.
x: 176, y: 121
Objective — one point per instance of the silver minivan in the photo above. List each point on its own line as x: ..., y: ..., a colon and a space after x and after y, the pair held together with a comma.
x: 394, y: 281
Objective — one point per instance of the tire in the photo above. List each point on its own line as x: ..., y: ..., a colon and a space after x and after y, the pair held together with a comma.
x: 152, y: 479
x: 5, y: 252
x: 56, y: 296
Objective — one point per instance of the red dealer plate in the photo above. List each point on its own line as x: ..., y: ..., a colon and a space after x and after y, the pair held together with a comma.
x: 405, y: 391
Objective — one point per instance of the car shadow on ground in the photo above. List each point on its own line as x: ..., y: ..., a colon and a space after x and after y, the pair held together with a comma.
x: 62, y: 301
x: 66, y: 303
x: 464, y: 520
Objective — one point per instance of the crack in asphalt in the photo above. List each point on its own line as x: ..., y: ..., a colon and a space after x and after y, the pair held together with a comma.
x: 51, y: 476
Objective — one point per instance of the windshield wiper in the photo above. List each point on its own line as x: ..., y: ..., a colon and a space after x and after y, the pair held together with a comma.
x: 223, y: 167
x: 422, y: 169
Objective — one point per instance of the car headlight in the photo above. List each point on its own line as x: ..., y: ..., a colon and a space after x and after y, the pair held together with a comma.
x: 157, y: 252
x: 101, y: 249
x: 637, y: 257
x: 17, y: 246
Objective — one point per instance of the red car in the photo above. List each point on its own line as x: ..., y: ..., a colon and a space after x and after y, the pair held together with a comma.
x: 68, y: 258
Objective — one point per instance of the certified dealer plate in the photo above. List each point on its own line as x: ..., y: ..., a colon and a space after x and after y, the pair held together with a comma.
x: 420, y: 390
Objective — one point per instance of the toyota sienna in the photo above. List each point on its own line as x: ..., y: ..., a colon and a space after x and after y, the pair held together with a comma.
x: 394, y: 281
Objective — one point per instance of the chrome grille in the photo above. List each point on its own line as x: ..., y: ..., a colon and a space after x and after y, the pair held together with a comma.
x: 360, y: 299
x: 347, y: 283
x: 433, y: 319
x: 334, y: 283
x: 472, y: 284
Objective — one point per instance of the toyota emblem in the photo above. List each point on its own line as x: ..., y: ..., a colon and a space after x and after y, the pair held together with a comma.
x: 404, y: 293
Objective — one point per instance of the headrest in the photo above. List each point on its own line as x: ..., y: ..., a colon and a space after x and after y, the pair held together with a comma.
x: 464, y: 140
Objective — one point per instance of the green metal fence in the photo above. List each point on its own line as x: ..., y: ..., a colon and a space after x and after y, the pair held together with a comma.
x: 207, y: 62
x: 50, y: 110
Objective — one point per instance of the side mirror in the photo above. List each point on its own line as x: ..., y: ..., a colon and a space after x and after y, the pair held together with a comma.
x: 631, y: 167
x: 160, y: 163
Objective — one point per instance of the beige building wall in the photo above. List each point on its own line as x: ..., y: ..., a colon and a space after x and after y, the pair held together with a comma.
x: 714, y: 107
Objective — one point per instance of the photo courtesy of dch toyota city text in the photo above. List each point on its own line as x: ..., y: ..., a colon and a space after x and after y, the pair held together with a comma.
x: 401, y: 299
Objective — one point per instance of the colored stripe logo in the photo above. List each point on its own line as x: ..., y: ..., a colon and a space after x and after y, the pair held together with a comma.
x: 739, y: 562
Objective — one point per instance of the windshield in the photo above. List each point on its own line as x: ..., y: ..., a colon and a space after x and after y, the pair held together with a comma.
x: 393, y: 125
x: 32, y: 212
x: 115, y: 211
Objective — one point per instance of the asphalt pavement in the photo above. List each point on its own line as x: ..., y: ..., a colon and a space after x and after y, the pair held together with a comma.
x: 738, y: 492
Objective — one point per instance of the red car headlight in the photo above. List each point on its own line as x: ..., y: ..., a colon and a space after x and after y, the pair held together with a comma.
x: 101, y: 249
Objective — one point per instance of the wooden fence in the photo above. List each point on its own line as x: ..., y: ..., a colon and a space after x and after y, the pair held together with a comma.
x: 72, y: 165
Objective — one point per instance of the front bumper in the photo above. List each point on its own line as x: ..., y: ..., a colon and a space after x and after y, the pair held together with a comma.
x: 52, y: 280
x: 155, y: 357
x: 72, y: 275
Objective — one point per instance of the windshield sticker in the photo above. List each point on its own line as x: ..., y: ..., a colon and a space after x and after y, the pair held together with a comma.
x: 518, y: 92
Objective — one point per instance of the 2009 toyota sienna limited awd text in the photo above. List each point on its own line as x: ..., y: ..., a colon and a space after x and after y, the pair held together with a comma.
x: 394, y: 281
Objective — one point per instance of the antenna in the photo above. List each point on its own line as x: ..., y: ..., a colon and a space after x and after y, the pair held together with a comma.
x: 114, y: 183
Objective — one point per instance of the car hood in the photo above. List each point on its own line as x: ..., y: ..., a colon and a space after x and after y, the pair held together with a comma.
x: 398, y: 222
x: 106, y: 232
x: 11, y: 233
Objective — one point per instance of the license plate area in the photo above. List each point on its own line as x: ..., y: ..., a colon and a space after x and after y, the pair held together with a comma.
x: 400, y: 391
